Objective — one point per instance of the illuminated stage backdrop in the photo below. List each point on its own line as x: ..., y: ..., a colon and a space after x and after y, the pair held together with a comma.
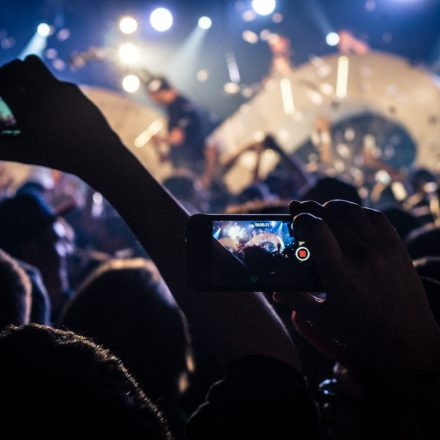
x: 338, y: 87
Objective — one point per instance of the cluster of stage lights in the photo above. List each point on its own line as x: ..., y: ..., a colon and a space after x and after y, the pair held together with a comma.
x: 161, y: 20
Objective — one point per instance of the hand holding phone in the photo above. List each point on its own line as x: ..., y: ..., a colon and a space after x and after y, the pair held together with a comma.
x: 268, y: 254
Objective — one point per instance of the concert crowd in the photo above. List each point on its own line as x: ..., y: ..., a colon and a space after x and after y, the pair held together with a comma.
x: 101, y: 336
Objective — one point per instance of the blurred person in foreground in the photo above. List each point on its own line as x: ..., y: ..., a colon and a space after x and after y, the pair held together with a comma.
x: 56, y: 383
x: 15, y: 293
x: 32, y: 231
x: 126, y: 307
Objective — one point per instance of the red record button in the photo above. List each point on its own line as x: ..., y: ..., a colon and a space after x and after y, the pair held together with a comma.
x: 302, y: 253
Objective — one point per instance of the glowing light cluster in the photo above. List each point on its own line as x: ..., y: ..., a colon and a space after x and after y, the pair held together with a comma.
x: 264, y: 7
x: 128, y: 25
x: 161, y: 19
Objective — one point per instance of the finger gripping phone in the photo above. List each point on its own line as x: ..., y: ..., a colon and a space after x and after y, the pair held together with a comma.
x: 248, y: 253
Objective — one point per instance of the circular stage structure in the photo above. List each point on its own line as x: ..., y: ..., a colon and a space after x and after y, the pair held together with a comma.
x: 337, y: 87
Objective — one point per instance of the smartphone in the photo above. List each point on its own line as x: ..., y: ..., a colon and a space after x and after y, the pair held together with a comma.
x: 8, y: 124
x: 248, y: 253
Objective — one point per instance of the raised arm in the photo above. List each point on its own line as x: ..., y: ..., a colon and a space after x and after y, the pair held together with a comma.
x: 62, y: 129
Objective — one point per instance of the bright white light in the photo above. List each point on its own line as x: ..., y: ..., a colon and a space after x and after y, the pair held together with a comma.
x: 161, y: 19
x: 250, y: 37
x: 287, y: 96
x: 332, y: 39
x: 264, y: 7
x: 202, y: 75
x: 128, y: 25
x: 231, y: 88
x: 131, y: 83
x: 44, y: 30
x: 205, y: 22
x: 236, y: 232
x: 128, y: 53
x: 342, y: 77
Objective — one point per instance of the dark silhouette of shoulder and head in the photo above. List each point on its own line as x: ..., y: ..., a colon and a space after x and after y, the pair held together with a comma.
x: 330, y: 188
x: 126, y: 307
x: 15, y: 293
x: 31, y: 230
x: 55, y: 382
x: 424, y: 242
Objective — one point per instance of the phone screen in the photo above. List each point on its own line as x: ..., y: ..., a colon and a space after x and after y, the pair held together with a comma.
x: 270, y: 250
x: 8, y: 124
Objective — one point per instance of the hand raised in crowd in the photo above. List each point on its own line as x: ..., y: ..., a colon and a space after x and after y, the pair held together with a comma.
x: 60, y: 126
x: 375, y: 305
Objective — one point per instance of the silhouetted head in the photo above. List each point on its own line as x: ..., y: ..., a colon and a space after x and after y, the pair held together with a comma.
x: 55, y: 382
x: 329, y: 188
x: 32, y: 231
x: 424, y: 242
x: 403, y: 221
x: 160, y: 91
x: 126, y: 307
x: 428, y: 267
x: 260, y: 207
x: 15, y: 293
x: 183, y: 185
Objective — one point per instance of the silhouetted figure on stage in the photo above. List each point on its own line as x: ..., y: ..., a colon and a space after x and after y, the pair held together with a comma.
x: 186, y: 126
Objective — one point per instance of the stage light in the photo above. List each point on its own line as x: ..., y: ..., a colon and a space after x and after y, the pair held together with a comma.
x: 128, y: 53
x: 202, y: 75
x: 44, y: 30
x: 264, y: 7
x: 231, y: 88
x: 342, y: 77
x: 250, y: 37
x: 161, y: 19
x: 131, y: 83
x: 332, y: 39
x: 287, y: 96
x: 128, y: 25
x: 205, y: 22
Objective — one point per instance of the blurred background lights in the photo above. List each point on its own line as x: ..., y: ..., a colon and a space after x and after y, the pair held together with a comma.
x: 131, y: 83
x: 250, y: 37
x: 128, y: 53
x: 161, y: 19
x: 332, y: 39
x: 44, y: 30
x: 264, y: 7
x: 63, y: 34
x: 205, y: 22
x: 128, y: 25
x: 231, y: 88
x: 202, y: 75
x: 249, y: 15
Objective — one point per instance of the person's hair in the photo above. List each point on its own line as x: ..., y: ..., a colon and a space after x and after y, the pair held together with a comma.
x: 15, y: 292
x: 402, y: 220
x: 330, y: 188
x: 126, y: 307
x: 260, y: 207
x: 424, y: 242
x: 55, y: 381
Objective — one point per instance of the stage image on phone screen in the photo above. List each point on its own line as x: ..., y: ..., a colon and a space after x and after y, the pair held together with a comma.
x: 269, y: 249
